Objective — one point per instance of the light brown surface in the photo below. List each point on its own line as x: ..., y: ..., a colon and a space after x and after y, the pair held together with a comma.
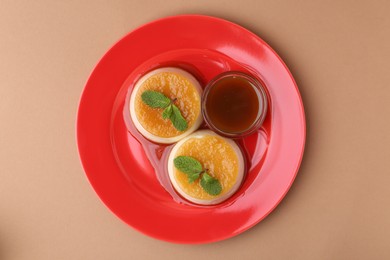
x: 338, y: 208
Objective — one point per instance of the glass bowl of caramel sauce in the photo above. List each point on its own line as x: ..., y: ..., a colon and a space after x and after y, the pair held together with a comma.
x: 234, y: 104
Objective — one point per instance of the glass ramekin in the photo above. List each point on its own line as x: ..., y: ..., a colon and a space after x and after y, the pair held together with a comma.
x: 261, y: 95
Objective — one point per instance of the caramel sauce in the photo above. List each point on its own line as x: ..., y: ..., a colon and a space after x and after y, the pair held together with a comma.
x: 232, y: 104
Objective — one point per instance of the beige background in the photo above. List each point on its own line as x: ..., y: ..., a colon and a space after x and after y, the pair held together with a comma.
x: 338, y: 208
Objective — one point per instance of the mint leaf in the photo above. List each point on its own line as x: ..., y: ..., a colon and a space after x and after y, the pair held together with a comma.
x: 155, y: 99
x: 177, y: 119
x: 187, y: 165
x: 167, y: 112
x: 211, y: 185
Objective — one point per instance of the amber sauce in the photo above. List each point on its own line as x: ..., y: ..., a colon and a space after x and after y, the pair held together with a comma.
x: 232, y: 105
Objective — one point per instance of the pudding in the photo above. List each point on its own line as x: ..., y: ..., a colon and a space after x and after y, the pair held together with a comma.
x: 165, y: 105
x: 206, y: 152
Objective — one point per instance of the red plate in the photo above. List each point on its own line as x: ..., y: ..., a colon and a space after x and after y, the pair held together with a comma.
x: 116, y: 164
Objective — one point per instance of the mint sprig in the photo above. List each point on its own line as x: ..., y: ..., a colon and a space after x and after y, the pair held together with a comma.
x: 194, y: 170
x: 156, y: 99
